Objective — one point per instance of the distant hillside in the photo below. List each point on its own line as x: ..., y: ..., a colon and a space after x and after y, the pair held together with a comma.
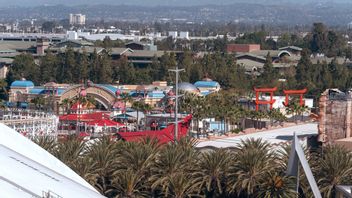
x: 251, y: 13
x: 5, y: 3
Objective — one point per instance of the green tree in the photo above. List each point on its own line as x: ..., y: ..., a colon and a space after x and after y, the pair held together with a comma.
x: 94, y: 66
x: 105, y: 69
x: 23, y: 66
x: 210, y: 172
x: 303, y: 70
x: 48, y: 26
x: 334, y: 168
x: 319, y: 42
x: 48, y: 64
x: 253, y: 160
x: 67, y: 65
x: 269, y: 75
x: 82, y: 69
x: 124, y: 71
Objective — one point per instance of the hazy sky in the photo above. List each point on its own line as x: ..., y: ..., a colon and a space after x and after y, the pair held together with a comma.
x: 4, y: 3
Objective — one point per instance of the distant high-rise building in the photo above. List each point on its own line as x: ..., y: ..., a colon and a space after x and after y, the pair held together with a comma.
x: 77, y: 19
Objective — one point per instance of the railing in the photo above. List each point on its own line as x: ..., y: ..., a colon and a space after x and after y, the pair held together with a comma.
x: 30, y: 123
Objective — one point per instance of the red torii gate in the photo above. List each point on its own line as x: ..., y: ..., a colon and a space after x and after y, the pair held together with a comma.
x: 295, y: 92
x: 264, y: 90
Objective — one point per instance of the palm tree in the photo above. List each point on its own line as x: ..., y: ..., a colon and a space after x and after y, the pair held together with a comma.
x: 125, y: 97
x: 38, y: 102
x: 277, y: 186
x: 69, y: 151
x: 138, y: 106
x: 46, y: 142
x: 296, y: 109
x: 128, y: 184
x: 137, y: 157
x: 171, y: 160
x: 334, y: 168
x: 194, y: 105
x: 210, y: 172
x: 84, y: 167
x: 181, y: 185
x: 104, y: 153
x: 66, y: 103
x: 253, y: 160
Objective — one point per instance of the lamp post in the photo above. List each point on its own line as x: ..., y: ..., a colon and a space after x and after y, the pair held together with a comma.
x: 177, y: 71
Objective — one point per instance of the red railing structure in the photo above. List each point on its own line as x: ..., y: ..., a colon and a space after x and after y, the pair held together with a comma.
x: 295, y: 92
x: 164, y: 136
x: 258, y: 102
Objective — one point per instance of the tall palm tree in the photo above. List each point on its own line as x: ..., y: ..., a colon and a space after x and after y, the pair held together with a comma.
x: 128, y: 184
x: 171, y: 160
x: 46, y: 142
x: 275, y: 185
x: 181, y: 185
x: 84, y: 167
x: 65, y: 104
x: 253, y: 159
x: 210, y: 172
x: 105, y: 154
x: 69, y: 151
x: 334, y: 168
x: 126, y: 98
x: 139, y: 106
x: 137, y: 157
x: 38, y: 102
x: 295, y: 109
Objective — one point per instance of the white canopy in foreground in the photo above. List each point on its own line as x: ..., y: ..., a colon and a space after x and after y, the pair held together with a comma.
x: 274, y: 136
x: 27, y: 170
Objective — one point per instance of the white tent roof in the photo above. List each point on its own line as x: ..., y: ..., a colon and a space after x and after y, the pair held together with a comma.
x: 274, y: 136
x: 27, y: 170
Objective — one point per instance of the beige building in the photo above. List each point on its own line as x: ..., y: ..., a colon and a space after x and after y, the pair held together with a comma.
x: 77, y: 19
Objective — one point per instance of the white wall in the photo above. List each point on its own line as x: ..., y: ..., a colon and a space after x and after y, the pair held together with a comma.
x: 173, y: 34
x: 184, y: 35
x: 279, y: 100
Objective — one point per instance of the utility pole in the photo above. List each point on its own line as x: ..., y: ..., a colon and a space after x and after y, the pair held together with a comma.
x: 177, y: 71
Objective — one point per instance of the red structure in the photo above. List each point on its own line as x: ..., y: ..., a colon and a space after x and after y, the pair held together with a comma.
x: 258, y: 102
x: 164, y: 136
x: 295, y: 92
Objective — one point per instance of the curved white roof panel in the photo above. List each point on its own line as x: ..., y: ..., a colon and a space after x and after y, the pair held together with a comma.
x: 27, y: 170
x: 273, y: 136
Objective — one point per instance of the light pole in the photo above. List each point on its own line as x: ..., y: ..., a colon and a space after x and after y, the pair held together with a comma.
x: 177, y: 71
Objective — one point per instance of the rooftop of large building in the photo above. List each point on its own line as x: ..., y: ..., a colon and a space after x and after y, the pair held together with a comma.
x: 22, y: 83
x: 213, y: 84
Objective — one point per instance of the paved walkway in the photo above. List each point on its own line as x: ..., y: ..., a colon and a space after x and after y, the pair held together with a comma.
x: 273, y: 136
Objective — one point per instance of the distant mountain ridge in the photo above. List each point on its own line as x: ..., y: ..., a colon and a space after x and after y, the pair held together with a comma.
x: 252, y: 13
x: 30, y: 3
